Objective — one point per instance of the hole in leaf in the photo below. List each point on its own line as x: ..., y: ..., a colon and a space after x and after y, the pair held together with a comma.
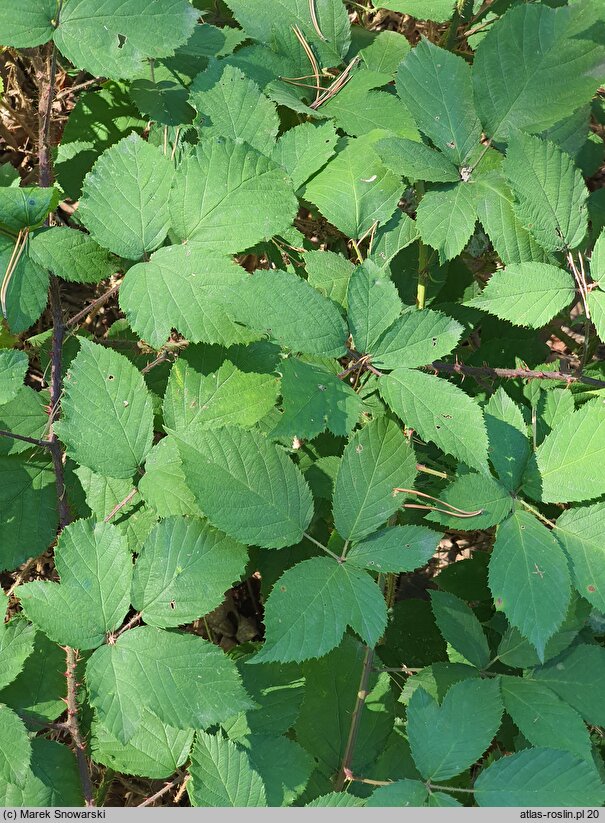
x: 121, y: 41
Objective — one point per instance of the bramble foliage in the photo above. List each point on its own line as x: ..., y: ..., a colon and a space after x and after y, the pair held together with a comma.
x: 417, y: 224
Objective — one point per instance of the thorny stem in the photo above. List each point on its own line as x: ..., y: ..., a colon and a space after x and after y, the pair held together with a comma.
x: 173, y: 784
x: 33, y: 440
x: 74, y: 726
x: 514, y: 374
x: 345, y: 769
x: 132, y: 622
x: 92, y: 307
x: 46, y: 85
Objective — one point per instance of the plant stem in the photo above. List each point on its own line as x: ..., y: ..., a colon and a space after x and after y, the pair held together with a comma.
x: 514, y: 374
x: 33, y: 440
x: 362, y: 694
x: 74, y: 727
x: 173, y: 784
x: 92, y: 307
x: 322, y: 547
x: 120, y: 505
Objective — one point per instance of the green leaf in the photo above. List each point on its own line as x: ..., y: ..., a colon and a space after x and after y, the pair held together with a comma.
x: 187, y: 288
x: 266, y: 20
x: 26, y: 24
x: 114, y: 38
x: 508, y: 442
x: 38, y: 691
x: 474, y: 492
x: 543, y: 718
x: 415, y: 339
x: 164, y: 102
x: 400, y: 793
x: 283, y: 765
x: 528, y: 73
x: 27, y: 290
x: 228, y: 197
x: 331, y: 690
x: 277, y: 690
x: 98, y: 120
x: 578, y: 677
x: 446, y: 739
x: 446, y: 217
x: 314, y: 399
x: 596, y: 307
x: 569, y: 457
x: 436, y: 87
x: 461, y: 628
x: 286, y: 308
x: 269, y: 503
x: 357, y: 109
x: 377, y: 460
x: 329, y: 273
x: 416, y: 161
x: 13, y: 368
x: 54, y: 779
x: 221, y: 775
x: 21, y: 207
x: 231, y: 105
x: 539, y: 777
x: 227, y: 396
x: 183, y: 571
x: 25, y: 415
x: 184, y: 680
x: 398, y: 233
x: 440, y: 412
x: 95, y: 567
x: 156, y: 750
x: 16, y: 645
x: 385, y: 52
x: 551, y: 194
x: 164, y: 486
x: 580, y: 530
x: 71, y: 255
x: 28, y: 502
x: 355, y: 190
x: 124, y: 202
x: 438, y: 10
x: 134, y: 519
x: 336, y: 799
x: 15, y: 748
x: 496, y: 211
x: 529, y: 578
x: 597, y: 260
x: 303, y: 150
x: 396, y: 549
x: 526, y: 294
x: 107, y: 417
x: 373, y: 305
x: 300, y: 615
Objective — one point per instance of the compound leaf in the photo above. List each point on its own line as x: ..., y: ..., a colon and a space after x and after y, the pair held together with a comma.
x: 377, y: 459
x: 95, y: 567
x: 529, y: 578
x: 311, y: 605
x: 227, y: 197
x: 124, y: 202
x: 269, y: 502
x: 539, y: 777
x: 107, y: 421
x: 221, y: 775
x: 395, y: 549
x: 186, y: 681
x: 440, y: 412
x: 183, y: 570
x: 446, y: 739
x: 551, y: 194
x: 314, y: 399
x: 527, y: 294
